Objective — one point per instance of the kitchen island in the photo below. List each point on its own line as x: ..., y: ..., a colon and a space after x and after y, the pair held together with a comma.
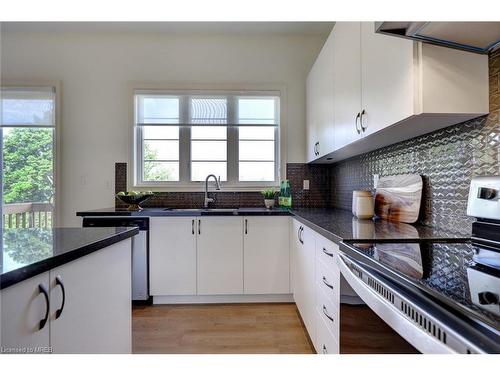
x: 66, y: 290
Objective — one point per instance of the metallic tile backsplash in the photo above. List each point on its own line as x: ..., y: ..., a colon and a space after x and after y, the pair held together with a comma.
x: 447, y: 160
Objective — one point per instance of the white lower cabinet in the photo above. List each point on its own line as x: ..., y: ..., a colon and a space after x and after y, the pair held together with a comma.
x: 266, y: 255
x: 86, y: 304
x: 316, y: 286
x: 24, y: 307
x: 172, y: 263
x: 220, y: 255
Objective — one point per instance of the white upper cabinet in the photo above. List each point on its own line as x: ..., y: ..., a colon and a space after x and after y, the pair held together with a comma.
x: 347, y: 82
x: 320, y: 101
x: 388, y: 89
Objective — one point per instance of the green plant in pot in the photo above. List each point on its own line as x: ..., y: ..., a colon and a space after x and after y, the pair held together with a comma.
x: 268, y: 195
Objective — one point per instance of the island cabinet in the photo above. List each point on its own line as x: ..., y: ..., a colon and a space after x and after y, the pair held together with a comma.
x: 79, y: 307
x: 195, y: 258
x: 387, y: 89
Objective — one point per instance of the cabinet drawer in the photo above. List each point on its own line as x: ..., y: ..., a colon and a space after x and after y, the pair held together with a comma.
x: 326, y: 250
x: 328, y: 280
x: 329, y: 311
x: 326, y: 342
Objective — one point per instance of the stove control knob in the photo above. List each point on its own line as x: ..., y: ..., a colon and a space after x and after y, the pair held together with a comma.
x: 488, y: 298
x: 486, y: 193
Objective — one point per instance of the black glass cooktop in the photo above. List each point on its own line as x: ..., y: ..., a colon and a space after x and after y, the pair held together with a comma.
x: 446, y: 271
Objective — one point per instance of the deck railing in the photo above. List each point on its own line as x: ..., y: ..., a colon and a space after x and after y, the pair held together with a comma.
x: 27, y: 215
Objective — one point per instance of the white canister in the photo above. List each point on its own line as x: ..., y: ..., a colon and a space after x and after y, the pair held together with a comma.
x: 362, y: 204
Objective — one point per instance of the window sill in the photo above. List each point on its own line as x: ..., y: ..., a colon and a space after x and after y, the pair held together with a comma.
x: 201, y: 188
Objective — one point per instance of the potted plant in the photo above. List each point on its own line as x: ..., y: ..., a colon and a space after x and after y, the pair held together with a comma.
x: 268, y: 198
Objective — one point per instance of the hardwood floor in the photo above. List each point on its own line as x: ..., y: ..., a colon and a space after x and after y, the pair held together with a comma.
x: 231, y: 328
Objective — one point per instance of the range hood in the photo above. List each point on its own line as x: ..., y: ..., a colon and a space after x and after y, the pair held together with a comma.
x: 478, y: 37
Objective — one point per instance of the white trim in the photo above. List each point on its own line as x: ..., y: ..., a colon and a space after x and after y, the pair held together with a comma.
x: 238, y: 298
x: 241, y: 89
x: 57, y: 150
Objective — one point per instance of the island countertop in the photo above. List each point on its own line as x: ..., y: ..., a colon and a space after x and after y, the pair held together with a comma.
x: 27, y: 252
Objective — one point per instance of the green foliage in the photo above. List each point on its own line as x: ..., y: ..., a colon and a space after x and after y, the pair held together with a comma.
x: 151, y: 170
x: 28, y: 245
x: 268, y: 193
x: 28, y: 165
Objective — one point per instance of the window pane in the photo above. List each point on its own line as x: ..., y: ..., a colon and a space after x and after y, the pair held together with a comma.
x: 208, y: 132
x: 208, y: 110
x: 256, y: 171
x: 256, y: 132
x: 28, y: 107
x: 256, y: 111
x: 161, y: 171
x: 200, y: 170
x: 28, y: 176
x: 158, y: 110
x: 161, y: 150
x: 256, y: 150
x: 161, y: 132
x: 208, y: 150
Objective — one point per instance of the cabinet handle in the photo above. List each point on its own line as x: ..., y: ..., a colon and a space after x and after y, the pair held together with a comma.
x: 60, y: 283
x: 356, y: 122
x: 199, y: 226
x: 317, y: 150
x: 192, y: 226
x: 327, y: 253
x: 361, y: 121
x: 300, y: 235
x: 325, y: 311
x: 43, y: 290
x: 324, y: 349
x: 246, y: 226
x: 325, y: 281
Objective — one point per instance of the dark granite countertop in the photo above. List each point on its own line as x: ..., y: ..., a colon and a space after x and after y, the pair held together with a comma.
x: 335, y: 224
x: 27, y: 252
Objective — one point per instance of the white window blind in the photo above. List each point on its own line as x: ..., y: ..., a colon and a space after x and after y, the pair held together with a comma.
x: 181, y: 137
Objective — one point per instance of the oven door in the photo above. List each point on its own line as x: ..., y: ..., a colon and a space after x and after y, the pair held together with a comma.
x: 403, y: 315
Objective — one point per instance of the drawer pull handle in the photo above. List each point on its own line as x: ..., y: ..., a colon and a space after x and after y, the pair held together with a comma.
x: 324, y: 349
x: 327, y: 253
x: 325, y: 311
x: 61, y: 284
x: 325, y: 281
x: 43, y: 290
x: 192, y: 226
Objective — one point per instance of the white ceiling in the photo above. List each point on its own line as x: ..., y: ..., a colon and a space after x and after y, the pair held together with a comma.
x: 238, y: 28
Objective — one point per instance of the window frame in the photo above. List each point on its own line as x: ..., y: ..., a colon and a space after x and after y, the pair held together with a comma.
x: 56, y: 142
x: 232, y: 91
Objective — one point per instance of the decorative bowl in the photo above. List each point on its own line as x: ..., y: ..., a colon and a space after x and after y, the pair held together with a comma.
x: 134, y: 198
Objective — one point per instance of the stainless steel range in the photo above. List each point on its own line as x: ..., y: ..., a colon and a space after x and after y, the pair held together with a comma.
x: 440, y: 296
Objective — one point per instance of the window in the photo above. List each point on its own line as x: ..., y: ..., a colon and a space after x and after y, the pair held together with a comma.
x: 27, y: 138
x: 182, y: 137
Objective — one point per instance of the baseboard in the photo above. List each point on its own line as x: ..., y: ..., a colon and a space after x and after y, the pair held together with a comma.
x: 230, y: 298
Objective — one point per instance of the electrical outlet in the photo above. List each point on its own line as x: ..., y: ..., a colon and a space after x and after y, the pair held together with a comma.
x: 305, y: 185
x: 375, y: 180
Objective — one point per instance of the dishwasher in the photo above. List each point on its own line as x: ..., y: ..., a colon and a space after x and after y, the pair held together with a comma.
x: 140, y: 252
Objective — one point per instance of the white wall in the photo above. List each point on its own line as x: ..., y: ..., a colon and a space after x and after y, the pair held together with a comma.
x: 94, y: 70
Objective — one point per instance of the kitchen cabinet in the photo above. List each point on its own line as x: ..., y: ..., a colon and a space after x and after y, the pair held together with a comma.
x: 96, y: 309
x: 85, y: 304
x: 220, y: 255
x: 266, y: 255
x: 389, y: 89
x: 172, y: 265
x: 303, y: 248
x: 320, y: 103
x: 24, y: 306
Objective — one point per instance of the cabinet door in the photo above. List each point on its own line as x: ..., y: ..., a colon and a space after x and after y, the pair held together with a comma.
x: 347, y: 78
x: 303, y: 276
x: 387, y: 79
x: 97, y: 312
x: 173, y: 256
x: 23, y: 306
x: 220, y: 255
x: 266, y: 255
x: 320, y: 102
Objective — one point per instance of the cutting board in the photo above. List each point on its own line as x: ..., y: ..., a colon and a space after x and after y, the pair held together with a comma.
x: 398, y: 198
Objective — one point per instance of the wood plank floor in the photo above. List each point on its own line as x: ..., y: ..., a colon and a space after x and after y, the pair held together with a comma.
x: 231, y: 328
